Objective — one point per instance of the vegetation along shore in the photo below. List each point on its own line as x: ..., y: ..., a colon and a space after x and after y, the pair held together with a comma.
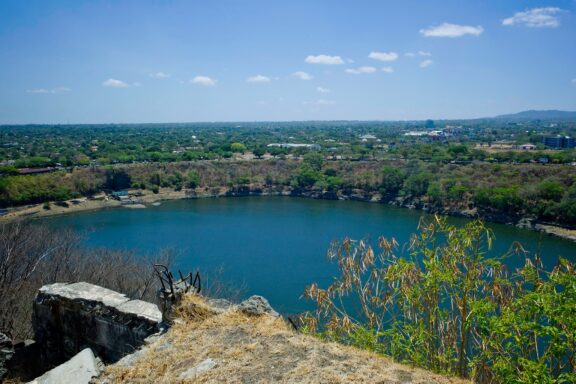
x: 495, y: 192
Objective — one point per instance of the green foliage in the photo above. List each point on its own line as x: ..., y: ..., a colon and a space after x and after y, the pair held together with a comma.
x: 307, y: 176
x: 237, y: 147
x: 193, y: 179
x: 314, y: 160
x: 392, y: 180
x: 33, y: 162
x: 19, y: 190
x: 449, y: 308
x: 504, y: 199
x: 458, y: 150
x: 550, y: 190
x: 259, y: 151
x: 417, y: 184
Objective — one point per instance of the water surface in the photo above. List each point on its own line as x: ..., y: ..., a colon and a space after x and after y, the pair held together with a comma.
x: 274, y: 245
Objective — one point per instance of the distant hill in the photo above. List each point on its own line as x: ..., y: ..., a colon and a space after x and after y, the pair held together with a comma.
x: 551, y: 114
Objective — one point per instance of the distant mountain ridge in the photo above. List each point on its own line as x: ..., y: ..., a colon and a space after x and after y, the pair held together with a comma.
x: 551, y: 114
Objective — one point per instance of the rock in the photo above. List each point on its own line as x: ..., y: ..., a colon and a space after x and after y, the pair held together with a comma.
x: 219, y: 305
x: 193, y: 372
x: 6, y: 353
x: 78, y: 370
x: 70, y: 317
x: 257, y: 305
x: 525, y: 223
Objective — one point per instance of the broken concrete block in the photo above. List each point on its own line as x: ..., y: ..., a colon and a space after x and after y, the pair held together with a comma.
x: 70, y: 317
x: 78, y: 370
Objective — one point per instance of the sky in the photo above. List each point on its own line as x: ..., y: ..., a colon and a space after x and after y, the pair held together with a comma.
x: 143, y: 61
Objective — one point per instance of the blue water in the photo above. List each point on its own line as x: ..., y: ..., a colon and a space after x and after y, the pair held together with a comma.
x: 275, y: 246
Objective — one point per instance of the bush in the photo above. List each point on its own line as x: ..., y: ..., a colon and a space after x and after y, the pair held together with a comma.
x: 504, y: 199
x: 392, y: 180
x: 417, y: 185
x: 449, y: 308
x: 550, y: 190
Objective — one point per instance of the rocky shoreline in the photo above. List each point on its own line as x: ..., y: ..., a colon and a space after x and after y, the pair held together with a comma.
x: 149, y: 198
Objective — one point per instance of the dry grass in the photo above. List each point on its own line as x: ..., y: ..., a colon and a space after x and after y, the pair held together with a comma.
x: 255, y: 350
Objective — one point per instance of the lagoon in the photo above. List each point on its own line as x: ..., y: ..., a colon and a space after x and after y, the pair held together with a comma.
x: 274, y: 246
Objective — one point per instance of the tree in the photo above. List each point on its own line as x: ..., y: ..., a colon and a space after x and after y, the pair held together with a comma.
x: 193, y: 179
x: 417, y: 184
x: 314, y: 160
x: 259, y: 152
x: 237, y: 147
x: 392, y: 180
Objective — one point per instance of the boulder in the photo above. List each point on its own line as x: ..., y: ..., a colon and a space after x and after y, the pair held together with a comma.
x: 257, y: 305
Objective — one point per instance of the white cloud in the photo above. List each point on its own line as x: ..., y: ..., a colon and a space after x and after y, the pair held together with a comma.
x: 426, y: 63
x: 302, y: 75
x: 114, y: 83
x: 419, y: 53
x: 204, y: 81
x: 535, y: 18
x: 387, y: 69
x: 360, y: 70
x: 323, y: 90
x: 48, y: 91
x: 160, y: 75
x: 383, y: 56
x: 258, y: 79
x: 452, y: 30
x: 324, y: 59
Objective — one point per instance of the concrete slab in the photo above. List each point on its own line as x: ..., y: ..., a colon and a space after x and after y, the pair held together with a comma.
x: 141, y: 309
x: 85, y: 291
x: 78, y: 370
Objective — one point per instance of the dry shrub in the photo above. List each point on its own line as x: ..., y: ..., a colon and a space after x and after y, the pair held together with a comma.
x: 32, y: 255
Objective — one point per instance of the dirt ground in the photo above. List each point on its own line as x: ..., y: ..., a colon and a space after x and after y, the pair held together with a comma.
x: 262, y: 349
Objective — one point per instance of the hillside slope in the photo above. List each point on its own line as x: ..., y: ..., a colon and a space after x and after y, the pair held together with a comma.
x: 551, y: 114
x: 207, y: 345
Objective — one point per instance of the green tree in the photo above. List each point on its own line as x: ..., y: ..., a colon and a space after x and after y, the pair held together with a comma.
x: 314, y: 160
x: 417, y: 184
x: 237, y: 147
x: 193, y: 179
x: 392, y: 180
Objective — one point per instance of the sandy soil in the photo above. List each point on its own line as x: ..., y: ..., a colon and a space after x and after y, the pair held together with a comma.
x: 84, y: 204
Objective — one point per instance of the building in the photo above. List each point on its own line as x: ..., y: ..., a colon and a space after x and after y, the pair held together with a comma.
x: 313, y: 147
x: 527, y: 147
x: 33, y: 171
x: 559, y: 141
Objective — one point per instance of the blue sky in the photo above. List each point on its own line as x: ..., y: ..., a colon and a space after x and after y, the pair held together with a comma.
x: 252, y: 60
